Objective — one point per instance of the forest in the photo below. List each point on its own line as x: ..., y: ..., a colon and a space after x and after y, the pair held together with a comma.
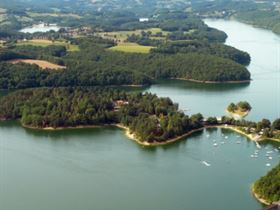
x: 149, y: 117
x: 268, y: 186
x: 94, y: 65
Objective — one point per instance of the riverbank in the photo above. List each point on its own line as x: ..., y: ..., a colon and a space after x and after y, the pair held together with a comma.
x: 214, y: 82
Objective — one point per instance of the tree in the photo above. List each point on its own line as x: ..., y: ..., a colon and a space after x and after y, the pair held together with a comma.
x: 276, y: 124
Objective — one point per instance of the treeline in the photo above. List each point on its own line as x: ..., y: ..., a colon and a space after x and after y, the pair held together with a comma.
x: 268, y: 186
x: 219, y: 50
x: 95, y: 65
x: 149, y: 117
x: 265, y: 19
x: 242, y: 106
x: 265, y: 128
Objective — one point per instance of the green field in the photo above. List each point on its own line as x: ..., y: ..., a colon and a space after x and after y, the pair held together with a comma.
x: 45, y: 43
x: 35, y: 14
x: 123, y: 35
x: 131, y: 48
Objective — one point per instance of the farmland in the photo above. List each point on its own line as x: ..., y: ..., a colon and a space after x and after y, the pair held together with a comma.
x: 131, y: 48
x: 45, y: 43
x: 41, y: 63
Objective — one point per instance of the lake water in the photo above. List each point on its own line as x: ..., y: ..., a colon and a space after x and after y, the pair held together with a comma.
x: 263, y: 93
x: 40, y: 28
x: 101, y: 169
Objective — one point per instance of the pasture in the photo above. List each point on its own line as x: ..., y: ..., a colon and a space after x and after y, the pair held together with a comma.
x: 45, y: 43
x: 131, y: 48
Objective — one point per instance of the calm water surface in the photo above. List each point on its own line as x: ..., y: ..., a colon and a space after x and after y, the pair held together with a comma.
x: 101, y: 169
x: 263, y: 93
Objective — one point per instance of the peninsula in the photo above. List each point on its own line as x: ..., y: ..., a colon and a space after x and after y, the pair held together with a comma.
x: 147, y: 118
x: 267, y: 188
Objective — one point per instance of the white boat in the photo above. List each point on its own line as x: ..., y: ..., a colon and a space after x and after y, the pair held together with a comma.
x: 238, y: 142
x: 226, y: 137
x: 205, y: 163
x: 215, y: 144
x: 258, y: 145
x: 268, y: 164
x: 269, y: 152
x: 254, y: 156
x: 270, y: 158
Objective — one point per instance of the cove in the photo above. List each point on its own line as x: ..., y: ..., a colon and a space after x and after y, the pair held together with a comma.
x: 101, y: 169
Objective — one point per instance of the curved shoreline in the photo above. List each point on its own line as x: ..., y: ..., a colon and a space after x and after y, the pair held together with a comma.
x: 214, y: 82
x: 133, y: 137
x: 258, y: 197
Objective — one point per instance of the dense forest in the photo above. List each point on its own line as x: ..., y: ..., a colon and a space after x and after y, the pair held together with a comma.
x: 94, y: 65
x: 217, y: 49
x: 268, y: 186
x: 149, y: 117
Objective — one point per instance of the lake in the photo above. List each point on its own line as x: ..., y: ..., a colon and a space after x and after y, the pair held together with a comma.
x: 262, y: 93
x: 101, y: 169
x: 40, y: 28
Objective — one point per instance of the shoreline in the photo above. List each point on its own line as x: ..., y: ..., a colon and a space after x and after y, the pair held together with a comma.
x: 214, y: 82
x: 258, y: 197
x: 132, y: 136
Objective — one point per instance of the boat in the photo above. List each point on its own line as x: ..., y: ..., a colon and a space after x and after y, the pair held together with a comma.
x: 269, y: 152
x: 270, y: 158
x: 258, y: 145
x: 226, y: 137
x: 268, y: 164
x: 238, y: 142
x: 205, y: 163
x: 215, y: 144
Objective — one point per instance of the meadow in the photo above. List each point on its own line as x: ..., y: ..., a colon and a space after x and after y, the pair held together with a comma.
x: 45, y: 43
x: 131, y: 48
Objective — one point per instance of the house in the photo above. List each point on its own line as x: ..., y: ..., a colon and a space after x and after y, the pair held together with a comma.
x: 141, y: 20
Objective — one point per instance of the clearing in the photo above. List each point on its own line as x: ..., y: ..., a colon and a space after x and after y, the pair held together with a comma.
x: 131, y: 48
x: 41, y: 63
x: 121, y: 36
x: 46, y: 42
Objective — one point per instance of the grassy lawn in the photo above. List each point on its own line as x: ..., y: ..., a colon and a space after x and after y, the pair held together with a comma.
x: 45, y: 43
x: 131, y: 48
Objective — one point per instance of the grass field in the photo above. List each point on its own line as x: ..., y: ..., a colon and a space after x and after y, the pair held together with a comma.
x: 43, y: 64
x: 45, y: 43
x: 122, y: 35
x: 131, y: 48
x: 34, y: 14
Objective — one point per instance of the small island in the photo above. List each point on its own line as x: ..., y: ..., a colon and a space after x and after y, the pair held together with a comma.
x: 267, y: 188
x: 239, y: 110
